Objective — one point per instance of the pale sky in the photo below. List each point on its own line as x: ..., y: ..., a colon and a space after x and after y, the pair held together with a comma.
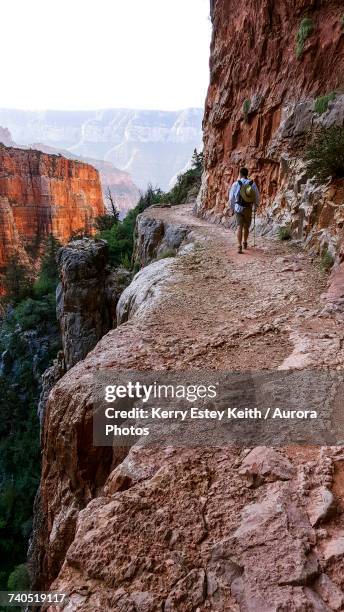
x: 90, y: 54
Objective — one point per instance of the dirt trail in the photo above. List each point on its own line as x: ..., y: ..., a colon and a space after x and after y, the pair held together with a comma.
x: 259, y: 310
x: 215, y: 527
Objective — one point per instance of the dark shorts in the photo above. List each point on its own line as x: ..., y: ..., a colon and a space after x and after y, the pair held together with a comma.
x: 244, y: 219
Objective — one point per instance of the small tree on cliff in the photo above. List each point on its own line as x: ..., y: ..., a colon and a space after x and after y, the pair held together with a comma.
x: 325, y: 154
x: 197, y: 162
x: 105, y: 222
x: 48, y: 274
x: 113, y: 207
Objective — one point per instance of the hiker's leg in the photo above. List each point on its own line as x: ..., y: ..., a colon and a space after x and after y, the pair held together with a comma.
x: 246, y: 233
x: 239, y: 235
x: 247, y: 225
x: 240, y: 222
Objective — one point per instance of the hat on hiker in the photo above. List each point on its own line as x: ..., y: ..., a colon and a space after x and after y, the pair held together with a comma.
x: 247, y: 192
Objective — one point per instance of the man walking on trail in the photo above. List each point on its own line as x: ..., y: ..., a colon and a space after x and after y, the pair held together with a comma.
x: 243, y: 198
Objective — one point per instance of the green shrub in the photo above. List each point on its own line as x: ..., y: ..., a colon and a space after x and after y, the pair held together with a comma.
x: 19, y: 579
x: 120, y: 235
x: 188, y: 182
x: 284, y: 233
x: 342, y: 21
x: 246, y: 108
x: 17, y: 281
x: 321, y: 103
x: 126, y: 262
x: 31, y: 314
x: 136, y: 267
x: 48, y: 276
x: 306, y: 28
x: 326, y: 261
x: 325, y: 154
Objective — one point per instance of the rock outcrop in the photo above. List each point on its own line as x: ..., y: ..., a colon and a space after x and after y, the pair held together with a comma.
x: 217, y: 527
x: 212, y: 528
x: 123, y: 189
x: 156, y: 238
x: 87, y: 296
x: 260, y: 111
x: 42, y: 194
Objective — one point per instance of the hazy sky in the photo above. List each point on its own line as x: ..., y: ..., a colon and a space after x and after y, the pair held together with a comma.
x: 88, y: 54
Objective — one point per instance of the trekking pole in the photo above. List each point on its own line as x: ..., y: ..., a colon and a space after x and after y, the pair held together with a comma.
x: 254, y: 227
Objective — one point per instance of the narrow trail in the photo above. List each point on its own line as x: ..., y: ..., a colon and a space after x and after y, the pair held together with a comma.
x: 207, y: 527
x: 260, y: 310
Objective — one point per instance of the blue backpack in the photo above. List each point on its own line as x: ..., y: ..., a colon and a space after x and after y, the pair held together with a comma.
x: 246, y: 196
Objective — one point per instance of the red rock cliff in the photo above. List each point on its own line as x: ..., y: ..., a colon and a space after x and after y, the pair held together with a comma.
x: 40, y: 194
x: 260, y: 103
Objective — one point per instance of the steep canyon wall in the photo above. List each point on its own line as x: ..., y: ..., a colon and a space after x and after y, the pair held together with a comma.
x: 42, y: 194
x: 260, y: 109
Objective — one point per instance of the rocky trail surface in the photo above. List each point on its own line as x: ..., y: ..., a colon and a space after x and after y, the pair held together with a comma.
x: 215, y: 528
x: 260, y: 310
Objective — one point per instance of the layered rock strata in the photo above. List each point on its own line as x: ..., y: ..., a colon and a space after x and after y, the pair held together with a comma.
x: 42, y: 194
x: 212, y: 528
x: 260, y: 111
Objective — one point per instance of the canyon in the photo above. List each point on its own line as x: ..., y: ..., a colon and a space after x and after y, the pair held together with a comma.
x: 244, y: 518
x: 152, y: 146
x: 260, y: 112
x: 123, y: 190
x: 43, y: 194
x: 201, y: 522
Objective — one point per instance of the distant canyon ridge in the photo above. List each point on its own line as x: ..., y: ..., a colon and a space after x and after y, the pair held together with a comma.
x: 42, y: 194
x: 130, y: 148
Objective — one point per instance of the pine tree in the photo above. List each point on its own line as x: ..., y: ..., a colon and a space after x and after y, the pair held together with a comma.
x: 17, y: 281
x: 48, y: 274
x: 114, y: 210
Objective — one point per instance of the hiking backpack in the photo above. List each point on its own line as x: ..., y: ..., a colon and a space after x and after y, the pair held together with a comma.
x: 245, y: 197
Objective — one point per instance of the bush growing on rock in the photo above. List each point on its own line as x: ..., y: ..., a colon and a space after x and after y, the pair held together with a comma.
x: 325, y: 155
x: 19, y: 579
x: 327, y: 261
x: 105, y: 222
x: 187, y: 183
x: 321, y: 103
x: 120, y: 234
x: 305, y: 30
x: 168, y: 253
x: 284, y: 233
x: 246, y: 108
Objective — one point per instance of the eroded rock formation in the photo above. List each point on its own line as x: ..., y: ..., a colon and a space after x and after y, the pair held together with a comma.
x: 211, y: 528
x: 123, y: 190
x: 260, y: 110
x: 215, y: 528
x: 87, y: 296
x: 42, y: 194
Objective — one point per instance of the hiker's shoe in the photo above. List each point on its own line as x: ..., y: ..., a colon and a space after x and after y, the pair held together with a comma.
x: 245, y: 245
x: 240, y: 249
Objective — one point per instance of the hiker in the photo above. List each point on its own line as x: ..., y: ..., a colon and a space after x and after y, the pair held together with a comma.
x: 243, y: 198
